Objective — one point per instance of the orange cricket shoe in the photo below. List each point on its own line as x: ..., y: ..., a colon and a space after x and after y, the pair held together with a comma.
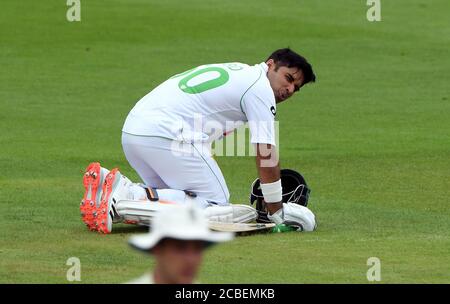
x: 93, y: 181
x: 114, y: 189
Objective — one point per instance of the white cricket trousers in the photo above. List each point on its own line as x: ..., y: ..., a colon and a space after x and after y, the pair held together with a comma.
x: 167, y: 164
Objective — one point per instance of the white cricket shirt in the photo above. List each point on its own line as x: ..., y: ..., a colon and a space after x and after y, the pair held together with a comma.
x: 207, y: 102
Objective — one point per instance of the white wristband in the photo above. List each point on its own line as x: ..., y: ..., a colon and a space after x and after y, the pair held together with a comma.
x: 272, y: 192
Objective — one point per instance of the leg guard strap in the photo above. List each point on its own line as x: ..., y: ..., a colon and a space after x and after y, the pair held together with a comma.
x: 152, y: 194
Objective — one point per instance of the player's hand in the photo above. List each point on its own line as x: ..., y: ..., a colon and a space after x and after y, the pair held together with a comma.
x: 294, y: 215
x: 273, y: 207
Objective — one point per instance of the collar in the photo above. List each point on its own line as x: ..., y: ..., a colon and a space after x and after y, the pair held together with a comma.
x: 264, y: 66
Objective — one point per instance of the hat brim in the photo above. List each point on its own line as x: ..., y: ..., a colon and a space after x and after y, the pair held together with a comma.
x: 147, y: 242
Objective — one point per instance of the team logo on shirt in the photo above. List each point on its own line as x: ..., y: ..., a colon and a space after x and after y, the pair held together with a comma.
x: 272, y: 109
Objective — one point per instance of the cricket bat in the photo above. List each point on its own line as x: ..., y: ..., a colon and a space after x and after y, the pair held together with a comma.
x: 241, y: 228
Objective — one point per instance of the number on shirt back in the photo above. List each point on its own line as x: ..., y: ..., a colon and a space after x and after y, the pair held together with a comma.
x: 203, y: 80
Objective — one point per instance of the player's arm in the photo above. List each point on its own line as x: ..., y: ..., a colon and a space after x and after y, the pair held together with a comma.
x: 291, y: 214
x: 269, y: 173
x: 259, y: 106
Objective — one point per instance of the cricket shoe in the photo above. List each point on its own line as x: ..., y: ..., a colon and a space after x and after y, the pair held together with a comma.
x: 115, y: 188
x: 93, y: 180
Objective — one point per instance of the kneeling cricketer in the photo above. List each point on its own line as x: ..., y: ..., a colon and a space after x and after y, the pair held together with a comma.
x: 167, y: 139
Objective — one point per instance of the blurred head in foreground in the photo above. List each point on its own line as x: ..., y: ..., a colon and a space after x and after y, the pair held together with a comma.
x: 178, y: 237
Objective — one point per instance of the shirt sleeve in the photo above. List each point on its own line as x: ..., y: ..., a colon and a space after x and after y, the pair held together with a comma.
x: 259, y: 108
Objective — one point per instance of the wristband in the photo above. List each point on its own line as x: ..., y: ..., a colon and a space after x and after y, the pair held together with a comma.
x: 272, y: 192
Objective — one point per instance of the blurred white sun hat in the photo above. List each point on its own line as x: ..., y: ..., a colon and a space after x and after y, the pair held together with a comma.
x: 181, y: 222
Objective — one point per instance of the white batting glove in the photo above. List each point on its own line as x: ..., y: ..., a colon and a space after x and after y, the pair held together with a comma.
x: 295, y: 215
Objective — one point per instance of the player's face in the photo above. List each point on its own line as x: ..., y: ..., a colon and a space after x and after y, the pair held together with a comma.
x: 179, y: 261
x: 283, y: 80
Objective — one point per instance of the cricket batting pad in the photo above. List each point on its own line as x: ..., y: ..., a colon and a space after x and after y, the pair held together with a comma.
x: 142, y: 212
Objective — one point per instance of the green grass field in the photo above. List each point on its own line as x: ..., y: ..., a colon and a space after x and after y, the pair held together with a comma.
x: 372, y: 136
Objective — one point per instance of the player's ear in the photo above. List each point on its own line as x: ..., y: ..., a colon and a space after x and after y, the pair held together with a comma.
x: 270, y: 63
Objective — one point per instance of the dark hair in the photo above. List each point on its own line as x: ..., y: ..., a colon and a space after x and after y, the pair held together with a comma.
x: 288, y: 58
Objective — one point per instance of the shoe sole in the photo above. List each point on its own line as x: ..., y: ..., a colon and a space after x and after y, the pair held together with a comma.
x: 105, y: 214
x: 92, y: 181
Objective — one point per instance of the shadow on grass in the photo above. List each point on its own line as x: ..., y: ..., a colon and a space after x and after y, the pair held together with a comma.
x: 124, y: 228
